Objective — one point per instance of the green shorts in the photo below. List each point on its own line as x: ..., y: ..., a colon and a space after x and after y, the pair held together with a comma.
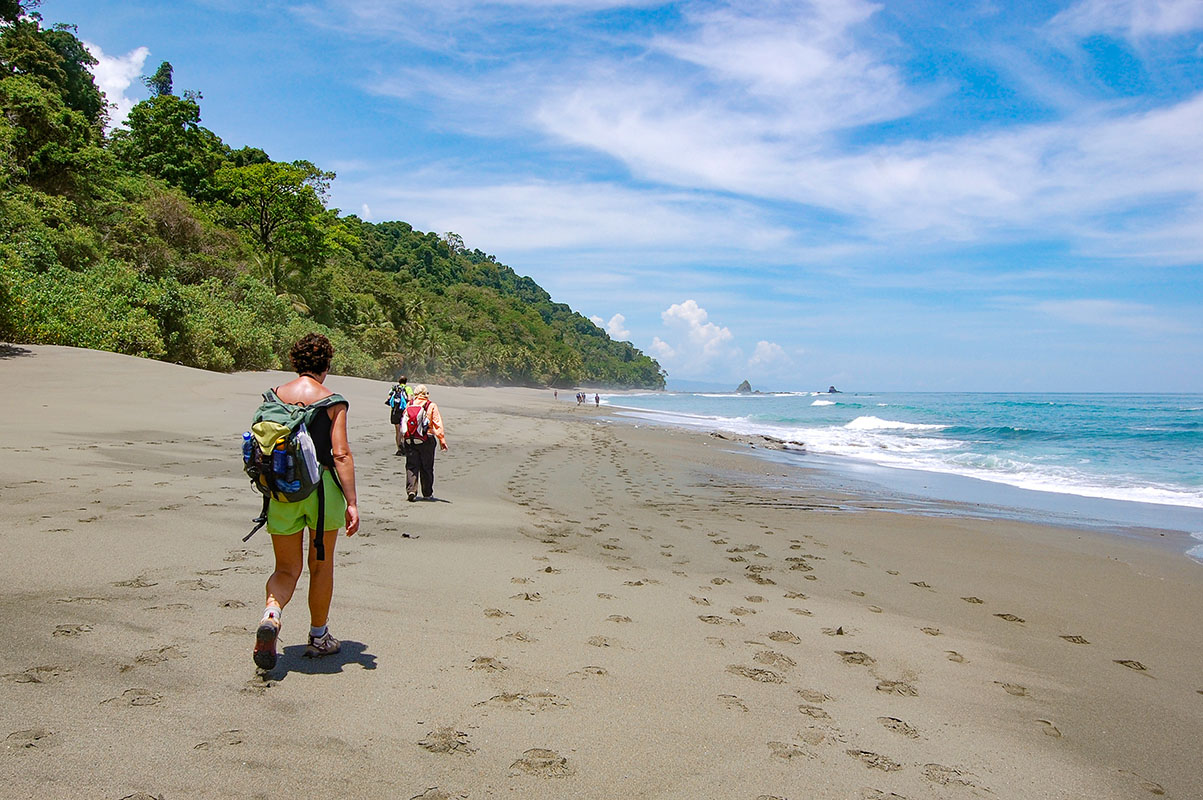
x: 285, y: 519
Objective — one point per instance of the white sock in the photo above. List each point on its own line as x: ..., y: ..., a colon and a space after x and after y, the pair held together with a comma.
x: 318, y: 633
x: 272, y: 613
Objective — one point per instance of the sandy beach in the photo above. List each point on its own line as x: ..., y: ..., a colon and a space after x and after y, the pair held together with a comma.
x: 590, y: 609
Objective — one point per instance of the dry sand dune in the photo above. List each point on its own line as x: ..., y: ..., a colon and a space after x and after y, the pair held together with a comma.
x: 591, y: 610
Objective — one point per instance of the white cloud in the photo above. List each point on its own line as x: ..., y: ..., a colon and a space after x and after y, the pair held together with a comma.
x: 1132, y: 18
x: 115, y: 74
x: 616, y: 327
x: 768, y: 354
x: 696, y: 344
x: 661, y: 349
x: 366, y: 210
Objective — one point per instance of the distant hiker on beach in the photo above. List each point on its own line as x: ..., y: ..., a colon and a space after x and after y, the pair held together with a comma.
x: 310, y: 358
x: 398, y: 399
x: 423, y: 426
x: 597, y: 400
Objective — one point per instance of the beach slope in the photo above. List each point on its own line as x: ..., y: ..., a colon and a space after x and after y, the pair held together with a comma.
x: 589, y: 609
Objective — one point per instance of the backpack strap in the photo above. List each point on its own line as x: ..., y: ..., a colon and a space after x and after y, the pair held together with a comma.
x: 260, y: 520
x: 319, y: 536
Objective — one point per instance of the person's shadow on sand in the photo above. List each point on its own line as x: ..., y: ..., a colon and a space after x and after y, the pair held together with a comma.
x: 292, y: 659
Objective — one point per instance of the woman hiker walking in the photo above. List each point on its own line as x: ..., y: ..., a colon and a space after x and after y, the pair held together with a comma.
x: 286, y: 521
x: 419, y: 452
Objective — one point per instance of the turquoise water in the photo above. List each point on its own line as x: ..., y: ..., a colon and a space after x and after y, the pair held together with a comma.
x: 1133, y: 448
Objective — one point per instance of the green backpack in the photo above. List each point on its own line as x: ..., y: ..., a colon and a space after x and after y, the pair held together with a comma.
x: 279, y: 458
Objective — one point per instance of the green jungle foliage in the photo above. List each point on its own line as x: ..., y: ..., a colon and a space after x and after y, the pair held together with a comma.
x: 161, y: 241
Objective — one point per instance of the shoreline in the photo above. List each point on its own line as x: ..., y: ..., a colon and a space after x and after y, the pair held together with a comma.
x: 592, y: 609
x: 922, y: 490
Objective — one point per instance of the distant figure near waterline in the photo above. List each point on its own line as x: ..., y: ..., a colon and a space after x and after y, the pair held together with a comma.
x: 597, y: 400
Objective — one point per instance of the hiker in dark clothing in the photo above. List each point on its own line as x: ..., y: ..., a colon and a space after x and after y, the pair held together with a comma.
x: 423, y: 427
x: 286, y: 522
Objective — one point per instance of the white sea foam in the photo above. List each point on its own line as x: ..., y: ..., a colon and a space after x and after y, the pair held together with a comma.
x: 896, y: 444
x: 877, y: 423
x: 1196, y: 552
x: 823, y: 403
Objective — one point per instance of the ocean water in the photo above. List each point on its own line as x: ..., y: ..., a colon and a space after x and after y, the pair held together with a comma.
x: 1139, y: 449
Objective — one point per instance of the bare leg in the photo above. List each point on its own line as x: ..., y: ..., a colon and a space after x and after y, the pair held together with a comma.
x: 321, y: 580
x: 283, y: 582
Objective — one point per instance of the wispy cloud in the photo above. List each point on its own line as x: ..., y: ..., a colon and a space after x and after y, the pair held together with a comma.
x: 1132, y: 317
x: 1132, y: 18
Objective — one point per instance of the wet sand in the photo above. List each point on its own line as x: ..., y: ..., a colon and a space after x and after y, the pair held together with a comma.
x: 590, y: 609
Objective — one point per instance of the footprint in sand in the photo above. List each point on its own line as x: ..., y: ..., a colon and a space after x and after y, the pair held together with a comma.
x: 1049, y: 728
x: 1074, y: 639
x: 794, y: 596
x: 542, y: 764
x: 931, y: 631
x: 947, y: 776
x: 600, y: 641
x: 232, y: 604
x: 1011, y: 618
x: 608, y: 596
x: 855, y: 593
x: 802, y: 612
x: 975, y: 600
x: 139, y: 582
x: 732, y: 702
x: 813, y: 696
x: 71, y: 631
x: 875, y: 760
x: 1133, y: 665
x: 135, y: 697
x: 487, y: 664
x: 856, y: 657
x: 530, y: 597
x: 788, y: 752
x: 838, y: 631
x: 31, y: 739
x: 701, y: 601
x: 898, y: 687
x: 875, y: 609
x: 159, y: 654
x: 40, y: 674
x: 447, y: 740
x: 1014, y: 689
x: 711, y: 619
x: 955, y: 657
x: 619, y: 618
x: 758, y: 675
x: 496, y: 613
x: 814, y: 712
x: 898, y: 726
x: 228, y: 738
x: 774, y: 659
x: 531, y: 702
x: 435, y: 793
x: 784, y: 636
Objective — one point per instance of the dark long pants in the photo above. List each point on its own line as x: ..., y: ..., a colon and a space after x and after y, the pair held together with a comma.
x: 419, y: 467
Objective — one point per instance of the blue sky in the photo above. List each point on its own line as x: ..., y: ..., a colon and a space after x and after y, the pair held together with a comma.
x: 912, y: 195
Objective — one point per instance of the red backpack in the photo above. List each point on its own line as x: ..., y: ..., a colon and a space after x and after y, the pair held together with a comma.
x: 415, y: 423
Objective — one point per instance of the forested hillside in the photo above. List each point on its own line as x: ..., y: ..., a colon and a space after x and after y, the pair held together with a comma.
x: 159, y: 240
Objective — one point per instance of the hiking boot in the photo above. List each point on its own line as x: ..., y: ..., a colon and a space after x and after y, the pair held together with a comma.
x: 265, y: 644
x: 400, y: 452
x: 412, y: 496
x: 324, y: 645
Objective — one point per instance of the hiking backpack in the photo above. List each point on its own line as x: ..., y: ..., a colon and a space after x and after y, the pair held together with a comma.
x: 397, y: 401
x: 279, y: 458
x: 416, y: 423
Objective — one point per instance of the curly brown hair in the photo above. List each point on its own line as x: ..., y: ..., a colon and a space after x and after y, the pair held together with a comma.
x: 312, y: 354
